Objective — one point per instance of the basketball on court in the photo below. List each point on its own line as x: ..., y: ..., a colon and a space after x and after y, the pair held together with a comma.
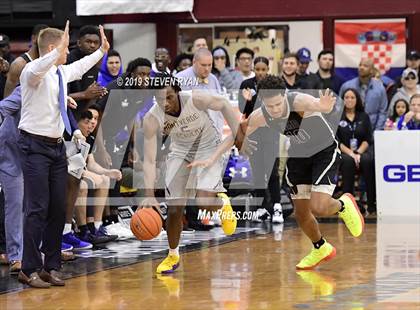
x: 146, y: 224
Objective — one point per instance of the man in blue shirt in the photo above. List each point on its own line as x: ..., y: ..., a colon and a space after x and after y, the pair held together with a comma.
x: 11, y: 177
x: 372, y: 92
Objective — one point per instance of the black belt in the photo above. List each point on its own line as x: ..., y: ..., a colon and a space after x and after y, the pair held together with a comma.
x: 43, y: 138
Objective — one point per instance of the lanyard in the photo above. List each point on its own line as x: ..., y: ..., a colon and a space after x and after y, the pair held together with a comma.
x: 353, y: 127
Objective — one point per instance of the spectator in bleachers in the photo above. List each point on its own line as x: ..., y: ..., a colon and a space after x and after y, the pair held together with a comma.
x: 201, y: 72
x: 86, y: 90
x: 111, y: 68
x: 356, y: 144
x: 325, y: 77
x: 95, y: 179
x: 199, y: 43
x: 289, y: 72
x: 401, y: 107
x: 411, y: 120
x: 263, y: 167
x: 182, y: 62
x: 6, y: 58
x: 372, y: 93
x: 11, y: 178
x: 20, y: 62
x: 162, y: 61
x: 244, y: 57
x: 409, y: 79
x: 228, y: 77
x: 387, y: 82
x: 304, y: 56
x: 119, y: 112
x: 412, y: 61
x: 247, y: 98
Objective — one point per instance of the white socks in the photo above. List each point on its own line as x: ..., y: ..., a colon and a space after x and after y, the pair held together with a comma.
x: 67, y: 229
x: 98, y: 224
x: 174, y: 251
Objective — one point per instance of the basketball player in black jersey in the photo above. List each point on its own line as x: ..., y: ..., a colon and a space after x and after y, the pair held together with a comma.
x: 19, y: 63
x: 313, y: 160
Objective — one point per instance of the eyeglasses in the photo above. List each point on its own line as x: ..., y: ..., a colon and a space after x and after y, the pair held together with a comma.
x: 411, y: 77
x: 245, y: 58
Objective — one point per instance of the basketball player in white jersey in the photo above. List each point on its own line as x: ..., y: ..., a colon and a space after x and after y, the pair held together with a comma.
x: 183, y: 116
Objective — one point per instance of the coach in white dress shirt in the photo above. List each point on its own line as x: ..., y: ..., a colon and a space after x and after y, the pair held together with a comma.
x: 43, y: 120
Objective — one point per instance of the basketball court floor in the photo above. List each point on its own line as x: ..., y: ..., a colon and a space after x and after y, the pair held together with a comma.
x: 253, y: 269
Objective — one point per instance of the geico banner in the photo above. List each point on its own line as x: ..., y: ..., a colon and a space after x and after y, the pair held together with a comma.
x: 108, y: 7
x: 397, y: 165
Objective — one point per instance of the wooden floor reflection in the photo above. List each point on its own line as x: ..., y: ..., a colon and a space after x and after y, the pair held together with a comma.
x: 256, y: 273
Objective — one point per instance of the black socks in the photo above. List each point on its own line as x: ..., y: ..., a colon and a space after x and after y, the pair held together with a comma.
x: 319, y: 243
x: 342, y: 206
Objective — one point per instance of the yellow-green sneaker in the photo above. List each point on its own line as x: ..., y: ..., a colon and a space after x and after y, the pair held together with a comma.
x: 317, y: 256
x: 227, y: 216
x: 169, y: 264
x: 351, y: 215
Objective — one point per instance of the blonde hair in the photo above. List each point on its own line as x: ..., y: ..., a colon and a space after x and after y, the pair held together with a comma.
x: 48, y: 36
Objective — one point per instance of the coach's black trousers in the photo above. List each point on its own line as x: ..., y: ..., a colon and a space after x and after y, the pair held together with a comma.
x: 45, y: 174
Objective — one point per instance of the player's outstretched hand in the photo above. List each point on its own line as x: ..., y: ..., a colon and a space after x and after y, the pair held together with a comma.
x: 62, y: 47
x: 105, y: 43
x: 327, y: 101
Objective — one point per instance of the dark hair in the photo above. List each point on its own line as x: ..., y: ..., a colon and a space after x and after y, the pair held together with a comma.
x: 179, y: 58
x: 359, y: 102
x: 138, y: 62
x: 226, y: 53
x: 85, y: 115
x: 94, y: 106
x: 162, y: 80
x: 213, y: 68
x: 325, y: 52
x: 261, y: 59
x: 244, y: 50
x: 394, y: 112
x: 38, y: 28
x: 89, y: 29
x: 291, y: 55
x: 273, y: 86
x: 112, y: 53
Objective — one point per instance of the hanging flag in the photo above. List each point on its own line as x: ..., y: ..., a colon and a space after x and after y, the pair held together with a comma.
x: 108, y: 7
x: 381, y: 40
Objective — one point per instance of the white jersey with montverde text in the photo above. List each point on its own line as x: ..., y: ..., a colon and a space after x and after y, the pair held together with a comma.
x: 192, y: 132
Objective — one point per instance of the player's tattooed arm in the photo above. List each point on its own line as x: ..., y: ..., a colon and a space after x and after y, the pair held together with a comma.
x: 151, y: 127
x: 307, y: 103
